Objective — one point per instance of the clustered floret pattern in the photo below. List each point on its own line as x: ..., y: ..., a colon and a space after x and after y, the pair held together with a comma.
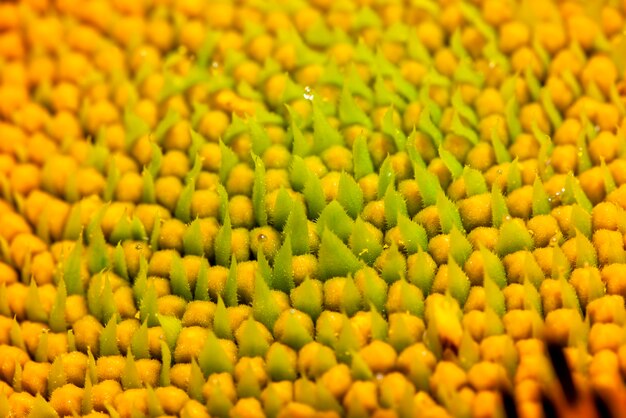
x: 239, y: 208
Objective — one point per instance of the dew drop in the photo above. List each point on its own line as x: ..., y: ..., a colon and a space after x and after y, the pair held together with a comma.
x: 308, y: 95
x: 262, y: 237
x: 292, y: 311
x: 379, y: 376
x: 499, y: 171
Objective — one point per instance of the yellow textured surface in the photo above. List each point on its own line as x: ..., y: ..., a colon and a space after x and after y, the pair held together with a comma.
x: 240, y: 208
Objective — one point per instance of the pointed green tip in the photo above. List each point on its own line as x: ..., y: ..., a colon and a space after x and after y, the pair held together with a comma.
x: 335, y: 258
x: 197, y: 380
x: 108, y: 338
x: 264, y: 305
x: 347, y: 343
x: 130, y: 374
x: 213, y: 357
x: 219, y: 404
x: 308, y: 298
x: 278, y: 365
x: 221, y: 321
x: 248, y: 385
x: 140, y: 342
x: 359, y: 368
x: 41, y: 408
x: 458, y: 282
x: 251, y: 340
x: 513, y: 237
x: 56, y: 375
x: 293, y: 331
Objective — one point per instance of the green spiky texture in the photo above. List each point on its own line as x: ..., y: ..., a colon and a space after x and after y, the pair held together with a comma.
x: 362, y: 161
x: 223, y: 242
x: 283, y: 271
x: 335, y: 258
x: 171, y: 328
x: 57, y: 313
x: 213, y: 358
x: 100, y: 299
x: 295, y: 335
x: 335, y: 219
x: 264, y: 307
x: 296, y: 229
x: 278, y: 367
x: 314, y: 196
x: 71, y: 270
x: 34, y: 310
x: 139, y: 342
x: 363, y: 244
x: 308, y: 298
x: 424, y: 274
x: 284, y: 205
x: 366, y: 138
x: 130, y: 374
x: 221, y: 324
x: 252, y: 342
x: 196, y: 381
x: 219, y: 404
x: 459, y: 284
x: 56, y: 375
x: 108, y: 339
x: 513, y: 237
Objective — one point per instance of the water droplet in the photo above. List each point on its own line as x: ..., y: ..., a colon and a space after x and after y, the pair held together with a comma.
x: 215, y: 64
x: 308, y: 94
x: 499, y: 171
x: 292, y: 311
x: 262, y: 237
x: 507, y: 218
x: 379, y: 376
